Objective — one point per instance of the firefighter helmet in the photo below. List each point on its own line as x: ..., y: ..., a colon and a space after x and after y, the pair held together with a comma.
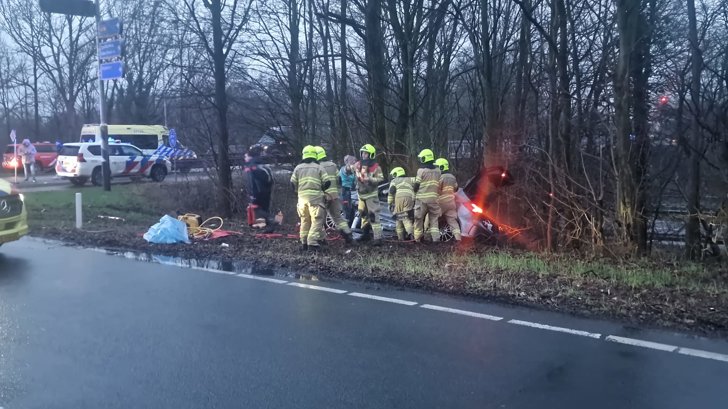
x: 443, y: 164
x: 397, y: 172
x: 426, y: 156
x: 309, y: 152
x: 368, y: 149
x: 320, y: 152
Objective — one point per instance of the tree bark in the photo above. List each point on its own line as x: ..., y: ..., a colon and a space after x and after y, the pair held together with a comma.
x: 692, y: 228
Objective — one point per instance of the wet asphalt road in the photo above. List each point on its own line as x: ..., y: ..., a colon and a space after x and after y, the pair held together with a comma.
x: 82, y: 329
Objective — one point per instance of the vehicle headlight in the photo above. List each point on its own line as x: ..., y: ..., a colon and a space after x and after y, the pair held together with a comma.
x: 22, y: 197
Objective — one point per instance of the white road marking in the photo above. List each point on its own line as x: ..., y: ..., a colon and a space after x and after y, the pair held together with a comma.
x: 461, y: 312
x: 316, y: 287
x: 556, y: 329
x: 703, y: 354
x: 259, y: 278
x: 640, y: 343
x: 385, y: 299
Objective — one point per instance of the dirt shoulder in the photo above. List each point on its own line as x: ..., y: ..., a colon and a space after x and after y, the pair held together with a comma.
x: 662, y: 296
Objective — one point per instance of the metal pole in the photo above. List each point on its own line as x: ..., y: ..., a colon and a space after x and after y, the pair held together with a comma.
x: 79, y: 210
x: 15, y: 157
x: 103, y: 132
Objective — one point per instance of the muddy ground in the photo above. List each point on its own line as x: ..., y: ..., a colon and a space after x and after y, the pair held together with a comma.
x: 702, y: 310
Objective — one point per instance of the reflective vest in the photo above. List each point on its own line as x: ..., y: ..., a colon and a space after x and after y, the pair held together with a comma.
x: 448, y: 187
x: 332, y: 175
x: 307, y: 179
x: 429, y: 180
x: 400, y: 188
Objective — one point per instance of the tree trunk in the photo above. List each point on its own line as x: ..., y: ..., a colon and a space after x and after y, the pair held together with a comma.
x: 294, y: 88
x: 343, y: 92
x: 522, y: 72
x: 627, y: 21
x: 376, y: 68
x: 692, y: 228
x: 221, y: 102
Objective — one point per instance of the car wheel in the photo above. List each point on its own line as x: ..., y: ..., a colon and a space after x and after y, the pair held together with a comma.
x: 79, y: 181
x: 97, y: 178
x: 39, y: 167
x: 158, y: 173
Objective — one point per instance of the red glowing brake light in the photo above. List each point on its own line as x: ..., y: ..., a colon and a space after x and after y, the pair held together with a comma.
x: 475, y: 209
x: 503, y: 175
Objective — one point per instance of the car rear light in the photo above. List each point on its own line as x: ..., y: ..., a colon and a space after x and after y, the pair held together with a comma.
x: 80, y: 158
x: 475, y: 208
x: 14, y: 162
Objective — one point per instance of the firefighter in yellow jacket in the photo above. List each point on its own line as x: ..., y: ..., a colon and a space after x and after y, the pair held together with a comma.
x: 332, y: 199
x: 368, y: 177
x: 427, y: 190
x: 448, y: 206
x: 309, y: 182
x: 401, y: 202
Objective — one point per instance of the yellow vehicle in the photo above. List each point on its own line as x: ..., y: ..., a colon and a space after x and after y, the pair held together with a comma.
x: 13, y: 216
x: 145, y: 137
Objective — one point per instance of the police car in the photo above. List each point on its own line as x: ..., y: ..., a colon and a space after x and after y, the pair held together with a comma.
x: 79, y: 162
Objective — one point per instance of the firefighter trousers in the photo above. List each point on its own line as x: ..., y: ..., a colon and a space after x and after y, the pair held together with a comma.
x: 334, y: 208
x: 312, y: 217
x: 404, y: 214
x: 431, y: 210
x: 369, y: 213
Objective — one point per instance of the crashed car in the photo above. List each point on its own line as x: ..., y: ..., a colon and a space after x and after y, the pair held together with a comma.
x: 472, y: 201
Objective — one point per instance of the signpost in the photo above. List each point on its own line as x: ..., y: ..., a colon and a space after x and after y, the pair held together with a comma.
x: 110, y: 65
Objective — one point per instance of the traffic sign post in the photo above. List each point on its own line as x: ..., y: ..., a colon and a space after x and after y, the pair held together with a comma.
x: 110, y: 47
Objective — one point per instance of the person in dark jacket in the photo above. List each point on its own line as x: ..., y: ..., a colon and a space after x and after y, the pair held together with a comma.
x: 260, y: 186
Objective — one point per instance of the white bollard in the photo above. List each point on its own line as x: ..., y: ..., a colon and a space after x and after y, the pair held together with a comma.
x: 79, y: 211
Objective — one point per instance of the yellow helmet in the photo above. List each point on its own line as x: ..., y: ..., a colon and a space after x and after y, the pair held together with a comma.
x: 397, y: 172
x: 309, y: 152
x: 426, y: 156
x: 368, y: 149
x: 320, y: 152
x: 443, y: 164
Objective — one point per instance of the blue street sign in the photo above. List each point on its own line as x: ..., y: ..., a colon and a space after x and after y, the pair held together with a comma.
x: 110, y: 49
x: 172, y: 138
x: 111, y: 70
x: 109, y: 28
